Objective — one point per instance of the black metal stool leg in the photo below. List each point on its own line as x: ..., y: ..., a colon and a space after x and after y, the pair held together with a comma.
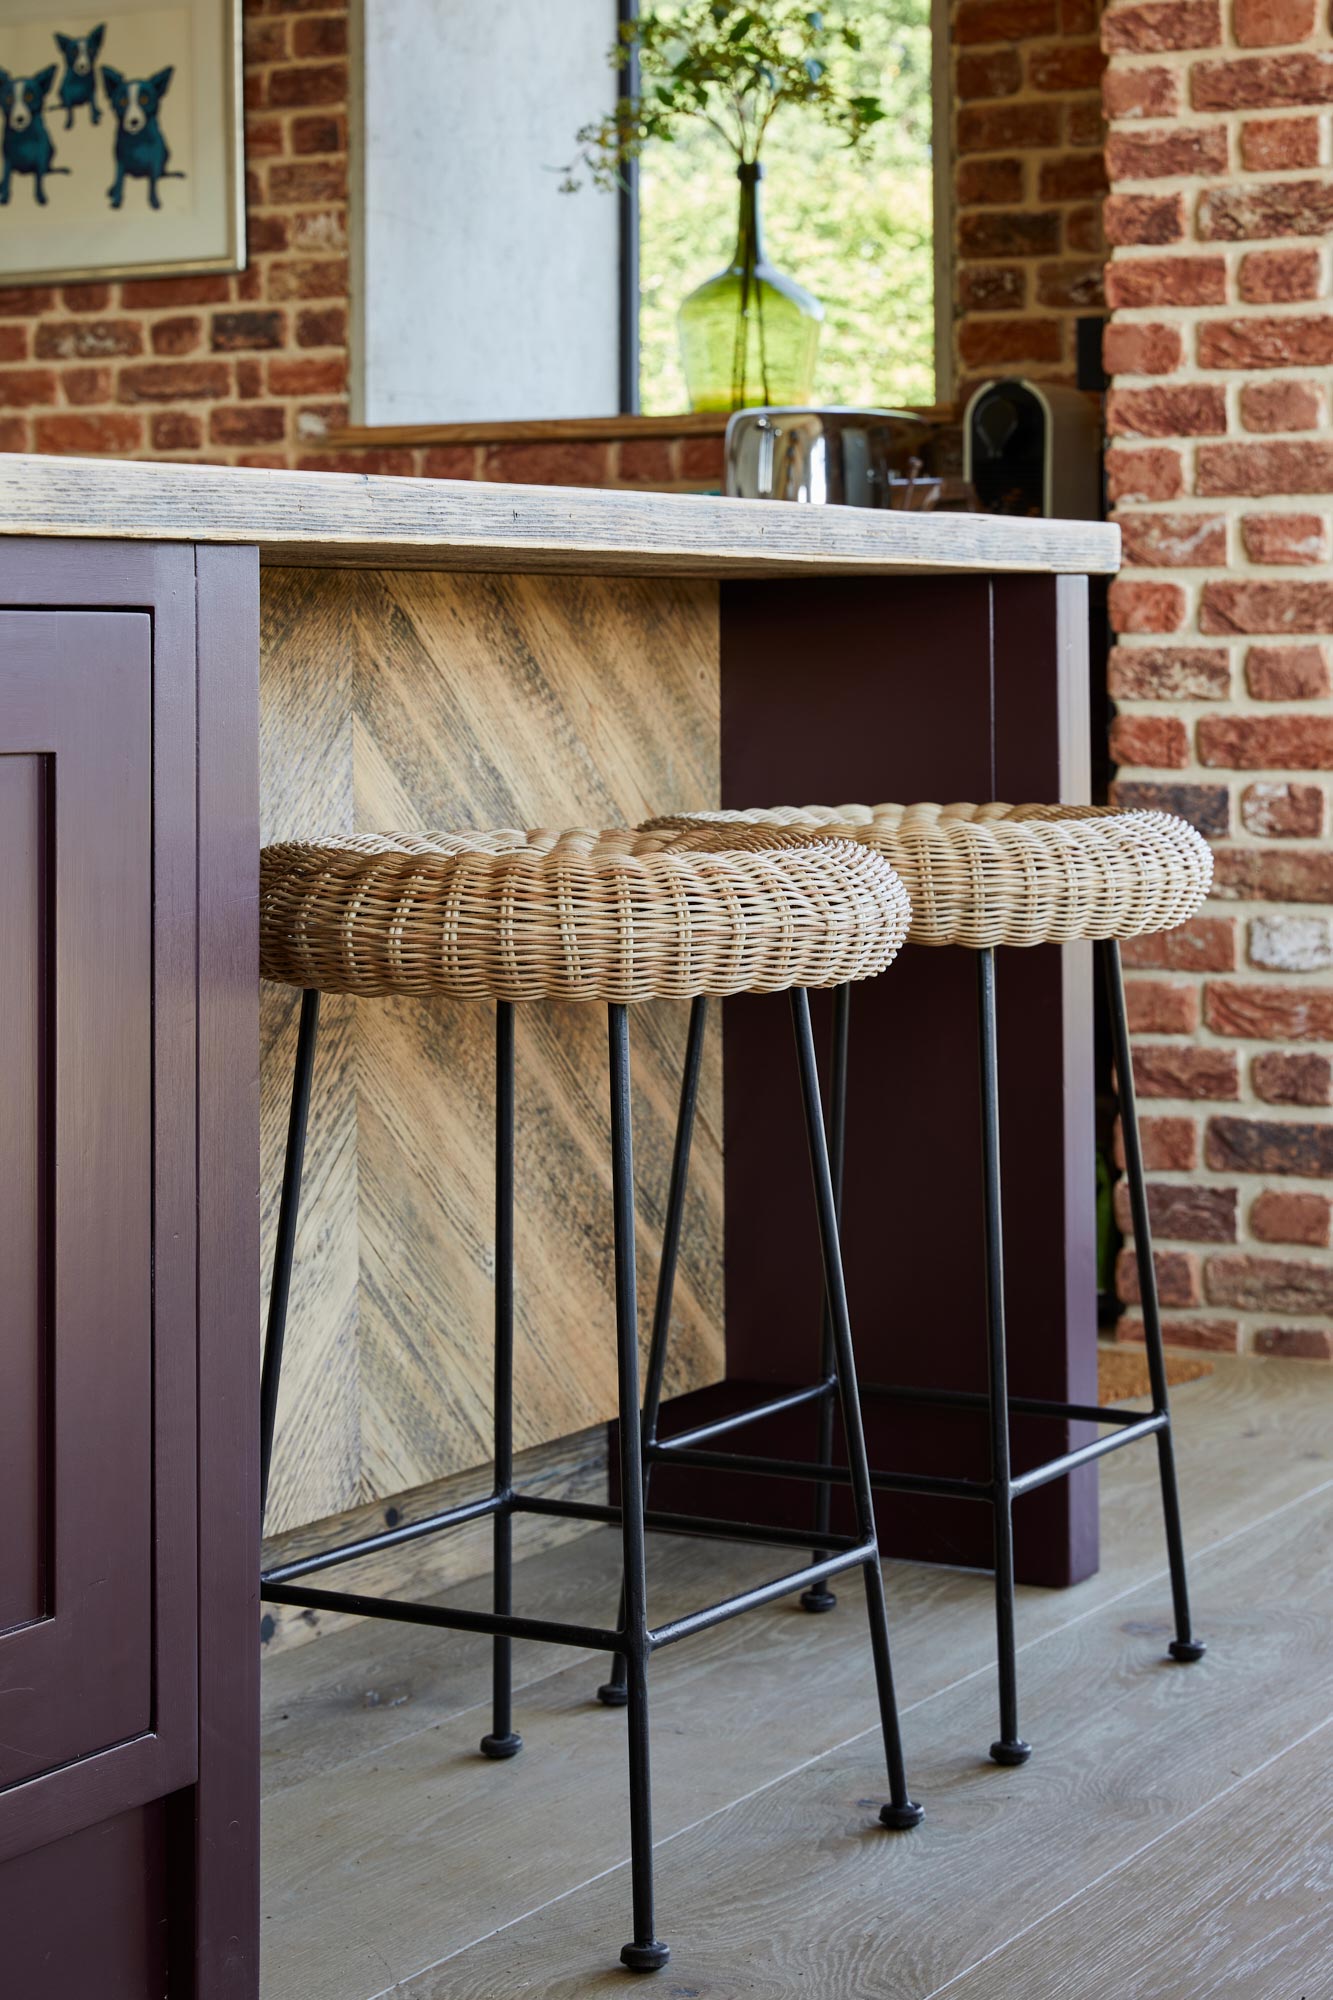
x: 1009, y: 1747
x: 820, y: 1597
x: 1184, y: 1647
x: 284, y: 1248
x: 645, y: 1953
x: 615, y: 1692
x: 902, y: 1810
x: 502, y: 1740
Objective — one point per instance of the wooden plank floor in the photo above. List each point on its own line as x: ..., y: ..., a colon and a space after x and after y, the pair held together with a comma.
x: 1171, y: 1834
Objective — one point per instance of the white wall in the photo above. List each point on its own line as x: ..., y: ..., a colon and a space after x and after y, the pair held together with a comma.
x: 485, y: 292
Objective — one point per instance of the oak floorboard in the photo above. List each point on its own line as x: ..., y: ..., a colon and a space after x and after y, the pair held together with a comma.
x: 363, y: 1847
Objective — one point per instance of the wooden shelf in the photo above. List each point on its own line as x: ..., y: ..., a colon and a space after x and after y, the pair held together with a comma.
x: 551, y: 430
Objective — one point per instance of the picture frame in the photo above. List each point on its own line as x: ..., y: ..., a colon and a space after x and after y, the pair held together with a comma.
x: 122, y: 149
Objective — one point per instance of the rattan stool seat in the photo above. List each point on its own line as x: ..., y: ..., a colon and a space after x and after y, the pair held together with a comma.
x: 574, y: 915
x: 986, y: 875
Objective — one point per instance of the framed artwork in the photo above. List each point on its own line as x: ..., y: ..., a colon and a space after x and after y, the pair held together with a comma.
x: 121, y: 149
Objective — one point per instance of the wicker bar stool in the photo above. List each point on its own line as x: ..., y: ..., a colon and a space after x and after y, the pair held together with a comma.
x: 512, y: 917
x: 982, y: 876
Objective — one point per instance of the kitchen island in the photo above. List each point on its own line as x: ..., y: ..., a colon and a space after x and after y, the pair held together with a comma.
x: 194, y: 659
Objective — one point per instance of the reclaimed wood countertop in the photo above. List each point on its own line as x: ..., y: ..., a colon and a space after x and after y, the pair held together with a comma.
x: 339, y: 519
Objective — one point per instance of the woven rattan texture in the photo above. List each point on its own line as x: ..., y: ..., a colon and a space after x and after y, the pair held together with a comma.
x: 996, y: 874
x: 574, y: 915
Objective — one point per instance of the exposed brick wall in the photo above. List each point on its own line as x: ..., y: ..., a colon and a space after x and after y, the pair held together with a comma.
x: 1221, y: 468
x: 241, y: 370
x: 1028, y: 181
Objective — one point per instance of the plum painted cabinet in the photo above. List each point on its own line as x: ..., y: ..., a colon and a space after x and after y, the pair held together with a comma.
x: 128, y: 704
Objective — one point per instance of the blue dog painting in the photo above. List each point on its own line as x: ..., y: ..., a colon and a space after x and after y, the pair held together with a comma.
x: 141, y: 150
x: 79, y: 83
x: 27, y: 145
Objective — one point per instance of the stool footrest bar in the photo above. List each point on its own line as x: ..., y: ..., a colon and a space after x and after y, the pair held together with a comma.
x: 661, y: 1523
x: 774, y: 1407
x: 592, y: 1638
x: 1019, y: 1406
x: 391, y: 1538
x: 836, y: 1475
x: 764, y: 1593
x: 1056, y: 1468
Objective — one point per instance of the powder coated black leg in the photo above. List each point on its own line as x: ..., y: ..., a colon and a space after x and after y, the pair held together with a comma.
x: 502, y: 1740
x: 1009, y: 1747
x: 902, y: 1810
x: 615, y: 1692
x: 289, y: 1209
x: 819, y: 1597
x: 645, y: 1953
x: 1184, y: 1647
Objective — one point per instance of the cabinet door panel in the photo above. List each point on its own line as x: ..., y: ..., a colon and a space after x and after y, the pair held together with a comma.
x: 76, y: 1153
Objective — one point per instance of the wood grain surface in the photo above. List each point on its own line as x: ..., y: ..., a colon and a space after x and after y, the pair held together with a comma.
x: 345, y: 519
x: 412, y: 700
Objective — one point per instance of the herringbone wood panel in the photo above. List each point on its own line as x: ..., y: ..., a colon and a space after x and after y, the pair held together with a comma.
x: 410, y: 699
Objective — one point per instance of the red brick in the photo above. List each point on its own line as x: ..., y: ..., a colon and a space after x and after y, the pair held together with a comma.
x: 992, y: 73
x: 315, y: 278
x: 1258, y: 83
x: 25, y: 301
x: 1287, y: 673
x: 1175, y: 541
x: 1144, y: 218
x: 1279, y: 742
x: 452, y: 461
x: 1264, y: 24
x: 1264, y: 208
x: 644, y: 459
x: 85, y: 298
x: 701, y: 458
x: 87, y: 339
x: 1281, y: 1217
x: 1280, y: 811
x: 266, y: 40
x: 1204, y: 944
x: 327, y: 37
x: 325, y: 326
x: 547, y: 464
x: 13, y: 343
x: 1147, y: 607
x: 1156, y: 474
x: 391, y: 461
x: 983, y: 183
x: 235, y: 331
x: 1167, y: 1144
x: 174, y: 381
x: 83, y: 386
x: 1132, y: 347
x: 1167, y: 154
x: 1285, y: 538
x: 114, y: 431
x: 1079, y: 17
x: 318, y: 231
x: 1267, y: 144
x: 1169, y: 673
x: 1162, y: 24
x: 1278, y: 277
x: 1267, y: 607
x: 318, y: 133
x: 1166, y: 281
x: 1160, y: 740
x: 1280, y: 1077
x: 1260, y: 469
x: 179, y: 335
x: 26, y: 388
x: 1295, y: 1343
x: 1072, y: 177
x: 1269, y: 1284
x: 983, y: 342
x: 992, y: 287
x: 14, y: 434
x: 293, y: 182
x: 1291, y: 875
x: 1140, y: 93
x: 1008, y: 233
x: 267, y: 234
x: 264, y: 138
x: 1065, y: 65
x: 1003, y: 20
x: 175, y: 430
x: 1293, y: 340
x: 1083, y: 228
x: 1071, y: 287
x: 146, y: 293
x: 1177, y: 1277
x: 998, y: 128
x: 1187, y: 409
x: 1184, y: 1214
x: 247, y: 423
x: 1265, y: 1013
x: 300, y: 88
x: 1265, y: 1146
x: 1161, y: 1007
x: 308, y: 378
x: 1181, y: 1071
x: 1213, y: 1336
x: 1281, y: 406
x: 1207, y: 808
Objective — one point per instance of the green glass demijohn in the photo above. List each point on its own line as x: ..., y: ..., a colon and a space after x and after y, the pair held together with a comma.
x: 749, y: 335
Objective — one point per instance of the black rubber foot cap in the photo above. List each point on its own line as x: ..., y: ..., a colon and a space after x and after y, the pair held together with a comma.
x: 900, y: 1818
x: 645, y: 1957
x: 1016, y: 1752
x: 612, y: 1695
x: 500, y: 1747
x: 818, y: 1599
x: 1187, y: 1650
